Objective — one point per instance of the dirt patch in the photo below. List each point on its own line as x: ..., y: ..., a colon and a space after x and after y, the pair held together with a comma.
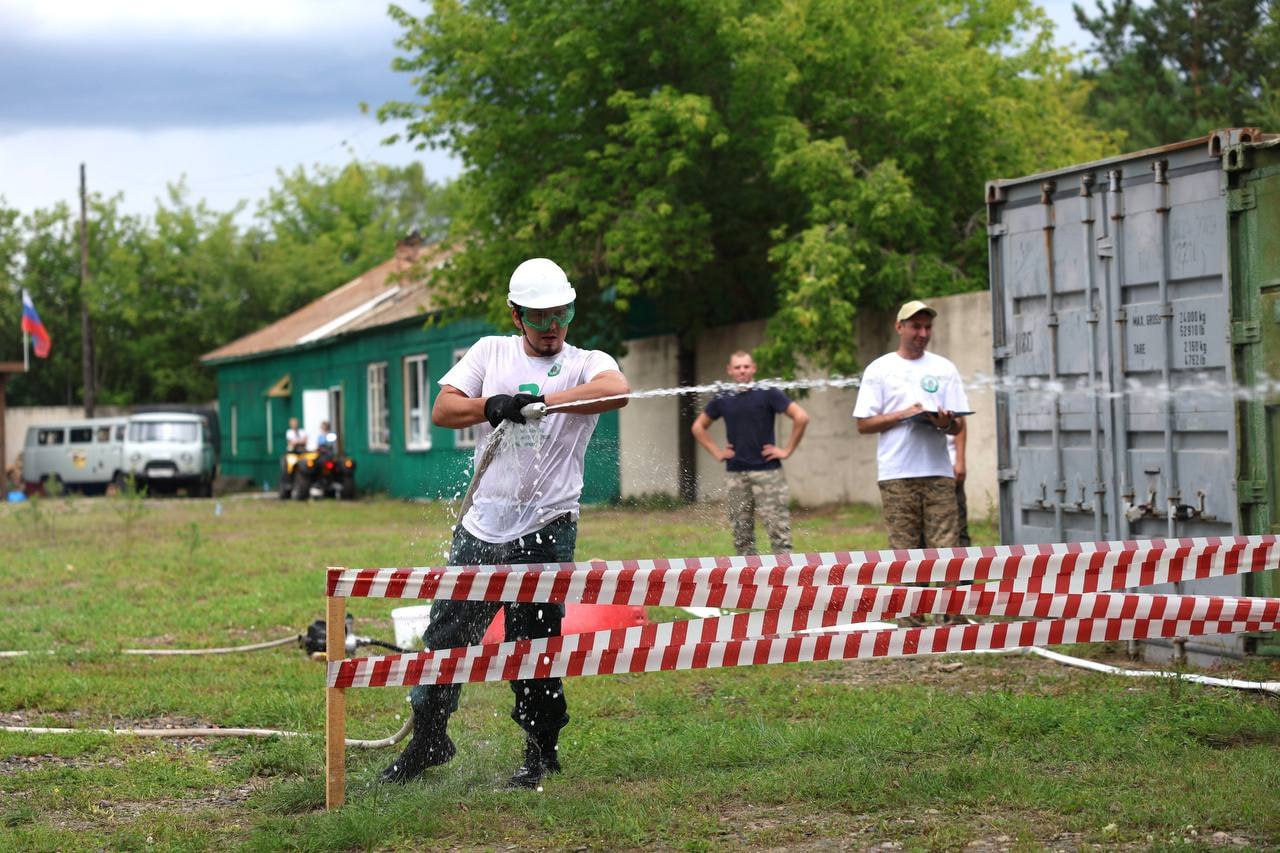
x: 972, y: 673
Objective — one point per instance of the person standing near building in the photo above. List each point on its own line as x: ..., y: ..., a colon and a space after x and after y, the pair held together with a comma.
x: 525, y: 508
x: 295, y: 437
x: 752, y: 459
x: 911, y: 400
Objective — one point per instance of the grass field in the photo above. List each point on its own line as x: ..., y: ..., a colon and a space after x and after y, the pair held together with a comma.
x: 985, y: 752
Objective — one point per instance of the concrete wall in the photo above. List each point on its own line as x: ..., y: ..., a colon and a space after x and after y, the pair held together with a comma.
x: 18, y: 418
x: 833, y: 464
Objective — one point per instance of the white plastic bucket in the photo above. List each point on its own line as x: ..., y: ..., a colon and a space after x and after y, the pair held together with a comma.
x: 410, y: 623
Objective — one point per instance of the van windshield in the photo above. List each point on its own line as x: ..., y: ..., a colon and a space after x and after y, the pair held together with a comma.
x: 164, y: 431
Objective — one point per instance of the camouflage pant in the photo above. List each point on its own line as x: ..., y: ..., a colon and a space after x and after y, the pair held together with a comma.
x: 921, y: 512
x: 766, y: 492
x: 962, y: 504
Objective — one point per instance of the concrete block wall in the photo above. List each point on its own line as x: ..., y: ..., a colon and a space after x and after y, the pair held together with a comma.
x: 833, y: 464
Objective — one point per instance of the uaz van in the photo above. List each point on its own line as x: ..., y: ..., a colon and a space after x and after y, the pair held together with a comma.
x: 164, y: 451
x: 168, y: 450
x: 85, y: 454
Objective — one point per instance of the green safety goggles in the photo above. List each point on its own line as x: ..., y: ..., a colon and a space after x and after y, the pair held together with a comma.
x: 542, y: 318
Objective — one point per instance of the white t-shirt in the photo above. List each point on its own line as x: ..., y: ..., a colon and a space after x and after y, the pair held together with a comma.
x: 537, y: 474
x: 892, y: 383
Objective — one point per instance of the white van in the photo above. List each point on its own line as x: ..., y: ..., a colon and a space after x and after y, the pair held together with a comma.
x: 168, y: 450
x: 86, y: 454
x: 163, y: 451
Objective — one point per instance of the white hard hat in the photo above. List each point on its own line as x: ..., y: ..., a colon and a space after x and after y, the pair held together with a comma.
x: 540, y: 283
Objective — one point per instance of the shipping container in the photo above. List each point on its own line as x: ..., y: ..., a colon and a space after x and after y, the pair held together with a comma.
x: 1136, y: 335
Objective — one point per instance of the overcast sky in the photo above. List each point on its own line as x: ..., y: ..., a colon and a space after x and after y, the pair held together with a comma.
x: 147, y: 91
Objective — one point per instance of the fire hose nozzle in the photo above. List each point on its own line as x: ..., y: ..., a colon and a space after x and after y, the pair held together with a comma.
x: 534, y: 411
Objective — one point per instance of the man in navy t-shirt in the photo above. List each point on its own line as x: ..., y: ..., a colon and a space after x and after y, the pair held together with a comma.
x: 752, y: 460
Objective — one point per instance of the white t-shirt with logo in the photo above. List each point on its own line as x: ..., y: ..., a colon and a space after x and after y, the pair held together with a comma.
x: 537, y: 474
x: 892, y: 383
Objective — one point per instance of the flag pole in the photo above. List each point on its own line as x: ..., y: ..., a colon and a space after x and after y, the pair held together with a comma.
x: 26, y: 351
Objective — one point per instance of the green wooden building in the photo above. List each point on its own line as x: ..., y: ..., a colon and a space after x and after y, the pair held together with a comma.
x: 362, y: 358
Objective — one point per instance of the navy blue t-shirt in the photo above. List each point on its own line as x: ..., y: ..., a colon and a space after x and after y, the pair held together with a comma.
x: 748, y: 421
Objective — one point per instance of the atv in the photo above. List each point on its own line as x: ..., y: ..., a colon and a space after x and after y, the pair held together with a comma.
x: 317, y: 473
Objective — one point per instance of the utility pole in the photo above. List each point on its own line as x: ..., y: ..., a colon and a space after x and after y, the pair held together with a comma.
x: 86, y: 329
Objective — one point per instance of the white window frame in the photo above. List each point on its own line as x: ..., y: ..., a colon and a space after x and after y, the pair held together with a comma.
x: 423, y: 412
x: 376, y: 406
x: 466, y: 437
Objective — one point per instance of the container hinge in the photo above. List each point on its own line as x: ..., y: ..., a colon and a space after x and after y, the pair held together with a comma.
x: 1251, y: 491
x: 1007, y: 475
x: 1246, y: 332
x: 1241, y: 199
x: 1001, y: 353
x: 1106, y: 248
x: 997, y: 229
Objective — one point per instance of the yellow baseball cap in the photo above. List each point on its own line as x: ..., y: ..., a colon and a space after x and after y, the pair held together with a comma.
x: 913, y: 308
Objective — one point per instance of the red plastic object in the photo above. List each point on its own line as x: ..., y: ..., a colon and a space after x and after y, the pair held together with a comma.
x: 581, y: 619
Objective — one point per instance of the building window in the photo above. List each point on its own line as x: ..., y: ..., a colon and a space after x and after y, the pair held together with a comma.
x: 417, y: 429
x: 379, y: 416
x: 465, y: 437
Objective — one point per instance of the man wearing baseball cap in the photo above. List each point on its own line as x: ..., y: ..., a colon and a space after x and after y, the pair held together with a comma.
x: 911, y: 400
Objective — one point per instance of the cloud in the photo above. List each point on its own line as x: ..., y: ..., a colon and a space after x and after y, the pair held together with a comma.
x: 149, y: 65
x: 151, y: 85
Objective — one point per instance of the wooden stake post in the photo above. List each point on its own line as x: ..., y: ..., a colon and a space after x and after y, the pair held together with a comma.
x: 335, y: 708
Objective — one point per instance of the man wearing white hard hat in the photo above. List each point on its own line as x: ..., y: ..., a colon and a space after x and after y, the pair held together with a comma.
x: 912, y: 400
x: 524, y: 512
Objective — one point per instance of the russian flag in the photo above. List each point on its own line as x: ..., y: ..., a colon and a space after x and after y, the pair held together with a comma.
x: 31, y: 325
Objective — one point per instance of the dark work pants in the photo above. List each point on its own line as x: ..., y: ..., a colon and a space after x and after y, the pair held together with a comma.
x: 540, y: 704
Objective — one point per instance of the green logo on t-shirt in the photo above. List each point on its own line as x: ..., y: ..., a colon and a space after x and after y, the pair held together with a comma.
x: 555, y: 369
x: 929, y: 383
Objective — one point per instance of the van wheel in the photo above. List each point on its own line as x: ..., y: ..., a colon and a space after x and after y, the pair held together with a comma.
x: 204, y: 488
x: 120, y: 482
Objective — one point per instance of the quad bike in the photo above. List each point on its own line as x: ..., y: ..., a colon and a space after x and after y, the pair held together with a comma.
x: 317, y: 473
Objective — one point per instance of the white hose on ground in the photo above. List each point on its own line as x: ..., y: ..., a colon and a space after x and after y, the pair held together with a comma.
x: 1056, y: 657
x: 1095, y: 666
x: 225, y: 650
x: 210, y: 732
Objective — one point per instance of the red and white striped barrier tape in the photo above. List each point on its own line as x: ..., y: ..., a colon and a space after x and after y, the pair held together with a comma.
x: 800, y: 593
x: 1079, y: 618
x: 752, y: 582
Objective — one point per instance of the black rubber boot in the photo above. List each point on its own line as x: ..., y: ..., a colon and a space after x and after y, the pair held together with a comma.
x: 429, y: 747
x: 541, y: 757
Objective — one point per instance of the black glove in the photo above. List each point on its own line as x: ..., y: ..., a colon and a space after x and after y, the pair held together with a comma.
x: 506, y: 407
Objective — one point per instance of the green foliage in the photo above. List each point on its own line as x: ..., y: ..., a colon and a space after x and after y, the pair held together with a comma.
x: 129, y: 503
x: 165, y: 289
x: 726, y: 159
x: 1170, y: 70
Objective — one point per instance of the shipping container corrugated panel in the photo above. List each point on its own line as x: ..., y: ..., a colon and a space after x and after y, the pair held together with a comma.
x: 1136, y: 329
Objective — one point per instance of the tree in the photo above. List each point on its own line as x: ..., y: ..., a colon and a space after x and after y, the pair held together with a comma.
x: 166, y: 289
x: 1175, y: 69
x: 321, y: 229
x: 731, y: 159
